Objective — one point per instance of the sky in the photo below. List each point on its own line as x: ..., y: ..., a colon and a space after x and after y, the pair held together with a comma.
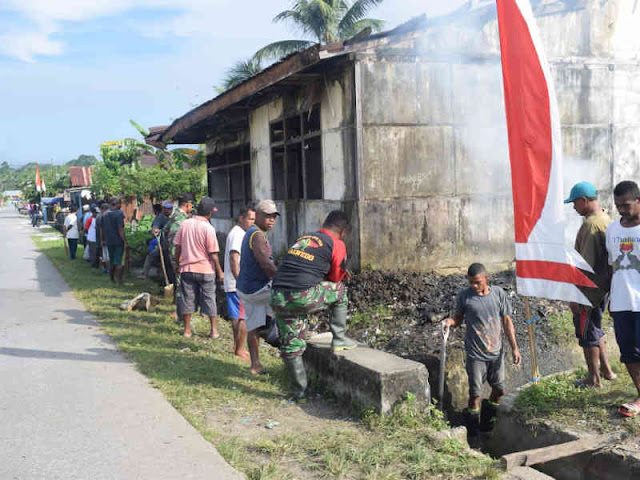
x: 73, y: 72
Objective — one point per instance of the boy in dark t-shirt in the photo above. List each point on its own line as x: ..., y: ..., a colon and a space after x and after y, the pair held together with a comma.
x: 486, y: 311
x: 309, y: 280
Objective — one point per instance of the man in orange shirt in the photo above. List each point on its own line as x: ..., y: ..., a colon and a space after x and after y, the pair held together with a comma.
x: 197, y: 256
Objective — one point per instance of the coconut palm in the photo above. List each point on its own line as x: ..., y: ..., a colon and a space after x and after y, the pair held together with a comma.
x: 325, y: 21
x: 242, y: 70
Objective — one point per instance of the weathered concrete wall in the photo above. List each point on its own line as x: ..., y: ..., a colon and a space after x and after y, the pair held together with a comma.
x: 436, y: 178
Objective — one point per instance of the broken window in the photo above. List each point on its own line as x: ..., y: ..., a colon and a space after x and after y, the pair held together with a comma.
x: 296, y: 156
x: 229, y: 175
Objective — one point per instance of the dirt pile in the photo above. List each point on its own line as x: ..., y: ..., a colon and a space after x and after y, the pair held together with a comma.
x: 400, y: 312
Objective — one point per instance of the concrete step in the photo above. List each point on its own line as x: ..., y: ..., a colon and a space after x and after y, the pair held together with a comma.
x: 371, y: 377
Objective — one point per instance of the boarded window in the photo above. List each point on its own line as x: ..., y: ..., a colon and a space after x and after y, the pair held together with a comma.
x: 296, y: 156
x: 229, y: 175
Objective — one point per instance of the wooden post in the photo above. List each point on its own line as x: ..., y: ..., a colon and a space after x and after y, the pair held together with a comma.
x: 535, y: 372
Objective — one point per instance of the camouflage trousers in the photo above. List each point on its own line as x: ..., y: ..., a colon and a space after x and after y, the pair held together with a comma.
x: 291, y: 309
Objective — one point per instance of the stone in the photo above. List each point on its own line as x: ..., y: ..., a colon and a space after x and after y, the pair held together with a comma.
x: 370, y: 377
x: 525, y: 473
x: 140, y: 302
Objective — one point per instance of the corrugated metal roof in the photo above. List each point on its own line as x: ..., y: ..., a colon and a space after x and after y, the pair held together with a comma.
x: 80, y: 176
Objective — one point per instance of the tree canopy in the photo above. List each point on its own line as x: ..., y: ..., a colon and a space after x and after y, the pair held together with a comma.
x: 321, y: 22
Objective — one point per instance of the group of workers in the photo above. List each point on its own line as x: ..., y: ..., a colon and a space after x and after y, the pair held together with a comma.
x: 263, y: 298
x: 612, y: 249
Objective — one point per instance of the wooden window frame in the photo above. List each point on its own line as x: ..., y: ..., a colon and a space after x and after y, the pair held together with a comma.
x: 298, y: 140
x: 229, y: 163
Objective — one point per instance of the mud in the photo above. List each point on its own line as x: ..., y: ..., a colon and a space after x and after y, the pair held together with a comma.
x: 400, y: 312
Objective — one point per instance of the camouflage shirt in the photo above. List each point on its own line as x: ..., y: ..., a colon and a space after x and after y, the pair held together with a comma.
x: 171, y: 228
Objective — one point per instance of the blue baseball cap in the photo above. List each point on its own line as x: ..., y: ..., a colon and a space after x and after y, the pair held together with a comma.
x: 582, y: 189
x: 167, y: 204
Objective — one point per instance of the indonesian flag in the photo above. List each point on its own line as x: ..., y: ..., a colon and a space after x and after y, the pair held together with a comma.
x: 38, y: 180
x: 545, y: 267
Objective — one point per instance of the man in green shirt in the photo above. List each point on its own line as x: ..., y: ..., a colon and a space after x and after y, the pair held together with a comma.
x: 591, y: 243
x: 169, y: 231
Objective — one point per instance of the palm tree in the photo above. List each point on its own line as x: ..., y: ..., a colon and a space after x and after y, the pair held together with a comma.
x: 326, y: 21
x: 242, y: 70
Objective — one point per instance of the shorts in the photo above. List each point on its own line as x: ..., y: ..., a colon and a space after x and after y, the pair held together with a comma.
x: 588, y: 327
x: 627, y: 328
x: 197, y: 290
x: 116, y: 253
x: 235, y: 309
x: 256, y: 307
x: 481, y: 371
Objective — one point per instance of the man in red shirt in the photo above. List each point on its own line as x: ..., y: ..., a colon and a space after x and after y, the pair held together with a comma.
x: 310, y: 279
x: 197, y: 256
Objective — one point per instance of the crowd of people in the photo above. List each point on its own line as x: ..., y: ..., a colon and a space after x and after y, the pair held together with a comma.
x: 272, y: 302
x: 263, y: 300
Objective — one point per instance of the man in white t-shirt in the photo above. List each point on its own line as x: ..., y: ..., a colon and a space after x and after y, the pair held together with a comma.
x: 623, y: 247
x: 235, y: 309
x: 71, y: 231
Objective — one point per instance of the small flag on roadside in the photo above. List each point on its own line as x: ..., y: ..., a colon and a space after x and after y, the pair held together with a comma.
x: 545, y: 266
x: 38, y: 181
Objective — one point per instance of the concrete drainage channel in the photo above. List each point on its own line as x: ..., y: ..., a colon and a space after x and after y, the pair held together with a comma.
x: 571, y: 455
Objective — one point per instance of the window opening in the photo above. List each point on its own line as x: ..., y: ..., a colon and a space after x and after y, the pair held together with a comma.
x: 296, y: 156
x: 229, y: 176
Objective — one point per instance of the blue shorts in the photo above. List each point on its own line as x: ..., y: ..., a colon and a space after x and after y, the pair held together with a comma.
x: 588, y: 327
x: 627, y: 328
x: 235, y: 309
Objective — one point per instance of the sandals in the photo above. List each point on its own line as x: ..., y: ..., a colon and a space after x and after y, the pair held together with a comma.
x: 629, y: 410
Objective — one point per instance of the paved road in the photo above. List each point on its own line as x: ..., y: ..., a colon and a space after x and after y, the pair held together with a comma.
x: 71, y: 407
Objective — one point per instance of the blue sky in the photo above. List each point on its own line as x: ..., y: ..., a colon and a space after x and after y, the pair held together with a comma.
x: 73, y: 72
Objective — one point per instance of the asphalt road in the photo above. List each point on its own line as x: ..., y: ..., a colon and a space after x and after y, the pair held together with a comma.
x: 71, y: 407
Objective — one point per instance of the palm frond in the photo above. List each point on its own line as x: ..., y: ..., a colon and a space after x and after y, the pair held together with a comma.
x: 278, y: 50
x: 240, y: 71
x: 360, y: 25
x: 143, y: 131
x: 356, y: 12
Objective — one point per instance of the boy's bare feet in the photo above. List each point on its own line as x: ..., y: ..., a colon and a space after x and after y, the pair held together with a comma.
x: 257, y: 370
x: 243, y: 355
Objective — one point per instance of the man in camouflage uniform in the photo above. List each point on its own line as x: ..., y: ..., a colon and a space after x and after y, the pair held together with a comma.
x: 169, y: 231
x: 310, y: 279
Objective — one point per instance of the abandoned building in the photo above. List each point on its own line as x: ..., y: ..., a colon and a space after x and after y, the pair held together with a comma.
x: 405, y: 131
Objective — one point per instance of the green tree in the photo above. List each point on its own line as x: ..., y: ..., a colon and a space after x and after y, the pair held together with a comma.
x: 322, y: 22
x: 241, y: 71
x: 83, y: 161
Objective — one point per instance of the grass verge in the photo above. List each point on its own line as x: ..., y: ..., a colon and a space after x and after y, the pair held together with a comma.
x: 247, y: 417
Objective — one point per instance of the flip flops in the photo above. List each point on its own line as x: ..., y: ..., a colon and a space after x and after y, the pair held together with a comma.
x: 629, y: 410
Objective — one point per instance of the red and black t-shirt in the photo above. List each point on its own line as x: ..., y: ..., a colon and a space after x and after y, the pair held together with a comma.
x: 312, y: 259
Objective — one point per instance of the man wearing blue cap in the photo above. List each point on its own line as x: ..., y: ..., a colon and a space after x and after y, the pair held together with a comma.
x: 591, y: 243
x: 156, y: 227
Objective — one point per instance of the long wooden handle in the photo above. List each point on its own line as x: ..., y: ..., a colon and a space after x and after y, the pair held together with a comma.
x: 535, y: 371
x: 164, y: 269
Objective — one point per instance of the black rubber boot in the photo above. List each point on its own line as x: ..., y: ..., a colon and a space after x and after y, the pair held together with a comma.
x: 338, y: 327
x: 488, y: 416
x: 472, y: 419
x: 298, y: 376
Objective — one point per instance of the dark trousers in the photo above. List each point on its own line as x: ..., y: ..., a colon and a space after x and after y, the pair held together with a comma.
x: 73, y: 247
x: 93, y: 254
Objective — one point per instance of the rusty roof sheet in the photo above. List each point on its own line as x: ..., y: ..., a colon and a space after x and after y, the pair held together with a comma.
x: 80, y: 176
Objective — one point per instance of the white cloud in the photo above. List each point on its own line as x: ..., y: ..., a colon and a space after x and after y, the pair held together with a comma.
x: 26, y: 45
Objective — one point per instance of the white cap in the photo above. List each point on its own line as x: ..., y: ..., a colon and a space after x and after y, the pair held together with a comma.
x: 267, y: 207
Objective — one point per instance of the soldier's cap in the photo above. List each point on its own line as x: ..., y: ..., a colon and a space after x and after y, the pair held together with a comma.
x: 582, y: 189
x: 268, y: 207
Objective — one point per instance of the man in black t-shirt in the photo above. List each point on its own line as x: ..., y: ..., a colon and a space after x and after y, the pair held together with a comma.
x: 112, y: 236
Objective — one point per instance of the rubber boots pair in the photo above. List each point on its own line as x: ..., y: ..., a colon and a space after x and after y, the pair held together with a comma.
x: 298, y: 376
x: 488, y: 416
x: 472, y: 421
x: 339, y: 329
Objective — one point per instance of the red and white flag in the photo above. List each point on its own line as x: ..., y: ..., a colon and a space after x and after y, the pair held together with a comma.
x: 545, y: 267
x: 38, y: 180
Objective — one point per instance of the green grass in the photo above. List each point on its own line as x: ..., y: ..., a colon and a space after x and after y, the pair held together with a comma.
x: 557, y: 399
x: 218, y: 396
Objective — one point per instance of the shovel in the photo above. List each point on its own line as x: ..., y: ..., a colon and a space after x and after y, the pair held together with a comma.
x: 443, y: 362
x: 168, y: 288
x: 66, y: 247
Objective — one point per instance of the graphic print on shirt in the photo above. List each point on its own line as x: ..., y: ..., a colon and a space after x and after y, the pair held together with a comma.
x: 626, y: 260
x: 299, y: 249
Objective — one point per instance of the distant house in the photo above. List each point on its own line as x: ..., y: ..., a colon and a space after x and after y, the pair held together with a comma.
x: 405, y: 131
x: 80, y: 183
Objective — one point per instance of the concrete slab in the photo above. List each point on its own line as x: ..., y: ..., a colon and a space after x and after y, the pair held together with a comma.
x: 525, y: 473
x: 71, y: 406
x: 371, y: 377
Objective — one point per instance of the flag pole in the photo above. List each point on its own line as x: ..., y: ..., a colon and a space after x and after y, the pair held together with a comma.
x: 535, y: 372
